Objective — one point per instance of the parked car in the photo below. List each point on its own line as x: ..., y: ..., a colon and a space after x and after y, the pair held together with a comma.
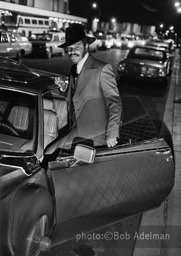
x: 14, y: 46
x: 164, y: 43
x: 46, y: 44
x: 48, y: 196
x: 129, y: 41
x: 145, y: 63
x: 166, y: 46
x: 96, y: 44
x: 107, y: 40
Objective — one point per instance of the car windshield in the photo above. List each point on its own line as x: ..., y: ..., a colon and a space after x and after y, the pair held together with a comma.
x: 17, y: 120
x: 146, y: 53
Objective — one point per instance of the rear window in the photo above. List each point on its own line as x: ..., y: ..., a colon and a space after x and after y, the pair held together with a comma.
x: 147, y: 54
x: 41, y: 37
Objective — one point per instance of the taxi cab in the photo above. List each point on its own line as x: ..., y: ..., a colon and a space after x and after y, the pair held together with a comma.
x: 46, y: 44
x: 13, y: 45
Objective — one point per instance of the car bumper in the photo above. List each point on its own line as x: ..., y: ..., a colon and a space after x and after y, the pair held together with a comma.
x: 39, y: 51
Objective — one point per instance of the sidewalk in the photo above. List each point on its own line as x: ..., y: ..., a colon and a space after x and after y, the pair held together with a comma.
x: 168, y: 215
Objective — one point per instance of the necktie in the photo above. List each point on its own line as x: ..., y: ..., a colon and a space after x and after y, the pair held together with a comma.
x: 73, y: 87
x: 74, y: 73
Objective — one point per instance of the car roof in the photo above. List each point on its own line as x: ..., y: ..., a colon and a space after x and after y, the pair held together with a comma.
x: 150, y: 47
x: 131, y: 52
x: 17, y: 76
x: 157, y: 47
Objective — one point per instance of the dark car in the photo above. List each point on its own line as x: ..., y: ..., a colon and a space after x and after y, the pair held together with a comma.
x: 165, y: 46
x: 46, y: 44
x: 45, y: 197
x: 145, y: 63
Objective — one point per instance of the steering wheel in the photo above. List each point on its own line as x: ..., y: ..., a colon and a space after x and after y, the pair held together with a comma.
x: 9, y: 128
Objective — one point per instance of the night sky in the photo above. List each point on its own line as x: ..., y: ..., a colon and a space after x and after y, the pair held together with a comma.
x: 149, y: 12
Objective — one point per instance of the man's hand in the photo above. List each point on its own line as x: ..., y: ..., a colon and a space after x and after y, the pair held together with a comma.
x: 111, y: 142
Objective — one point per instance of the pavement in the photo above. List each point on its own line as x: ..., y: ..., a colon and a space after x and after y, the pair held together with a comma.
x: 167, y: 218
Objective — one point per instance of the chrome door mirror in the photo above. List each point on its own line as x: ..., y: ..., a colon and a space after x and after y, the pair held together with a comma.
x: 84, y: 153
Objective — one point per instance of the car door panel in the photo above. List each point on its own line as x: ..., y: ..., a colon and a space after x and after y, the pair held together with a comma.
x: 121, y: 182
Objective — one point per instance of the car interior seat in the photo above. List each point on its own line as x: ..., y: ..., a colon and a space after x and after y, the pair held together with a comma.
x: 50, y: 122
x: 62, y: 113
x: 19, y: 117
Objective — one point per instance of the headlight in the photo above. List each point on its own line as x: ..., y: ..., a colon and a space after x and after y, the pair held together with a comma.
x: 162, y: 72
x: 118, y: 44
x: 121, y: 66
x: 130, y: 44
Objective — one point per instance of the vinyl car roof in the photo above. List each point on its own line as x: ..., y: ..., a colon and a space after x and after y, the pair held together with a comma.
x: 17, y: 76
x: 149, y: 47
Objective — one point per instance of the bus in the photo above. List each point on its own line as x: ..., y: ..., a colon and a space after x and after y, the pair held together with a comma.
x: 31, y: 24
x: 28, y: 25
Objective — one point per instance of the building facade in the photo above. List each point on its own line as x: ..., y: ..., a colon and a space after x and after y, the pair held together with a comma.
x: 32, y: 16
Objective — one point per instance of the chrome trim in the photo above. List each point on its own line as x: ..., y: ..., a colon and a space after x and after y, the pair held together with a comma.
x: 18, y: 167
x: 17, y: 90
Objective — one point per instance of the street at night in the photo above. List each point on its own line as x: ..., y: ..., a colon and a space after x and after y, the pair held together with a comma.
x: 153, y: 96
x: 90, y: 127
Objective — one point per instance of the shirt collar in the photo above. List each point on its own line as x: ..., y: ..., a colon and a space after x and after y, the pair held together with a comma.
x: 81, y: 63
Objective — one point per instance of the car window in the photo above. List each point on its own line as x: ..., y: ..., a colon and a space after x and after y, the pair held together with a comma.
x: 4, y: 38
x: 41, y: 37
x: 18, y: 116
x: 147, y: 53
x: 137, y: 126
x: 55, y: 38
x: 12, y: 37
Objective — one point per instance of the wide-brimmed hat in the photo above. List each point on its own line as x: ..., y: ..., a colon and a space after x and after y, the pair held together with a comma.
x: 74, y: 34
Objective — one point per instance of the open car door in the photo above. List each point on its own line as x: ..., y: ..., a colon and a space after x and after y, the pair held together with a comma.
x: 130, y: 178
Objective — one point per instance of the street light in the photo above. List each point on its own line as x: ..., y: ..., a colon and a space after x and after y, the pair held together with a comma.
x: 177, y: 4
x: 114, y: 24
x: 95, y: 5
x: 96, y: 20
x: 179, y: 9
x: 113, y: 20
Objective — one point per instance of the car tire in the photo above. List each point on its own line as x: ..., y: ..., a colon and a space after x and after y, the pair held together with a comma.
x: 28, y: 222
x: 32, y: 241
x: 49, y: 53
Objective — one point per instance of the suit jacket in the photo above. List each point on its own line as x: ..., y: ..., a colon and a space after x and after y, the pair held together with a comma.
x: 97, y: 102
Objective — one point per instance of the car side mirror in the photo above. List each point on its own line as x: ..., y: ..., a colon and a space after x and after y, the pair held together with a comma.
x: 84, y: 153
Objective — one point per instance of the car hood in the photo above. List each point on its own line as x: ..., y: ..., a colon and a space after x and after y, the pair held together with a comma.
x: 144, y: 62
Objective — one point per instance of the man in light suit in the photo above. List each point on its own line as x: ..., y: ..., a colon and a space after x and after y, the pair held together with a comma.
x: 93, y: 94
